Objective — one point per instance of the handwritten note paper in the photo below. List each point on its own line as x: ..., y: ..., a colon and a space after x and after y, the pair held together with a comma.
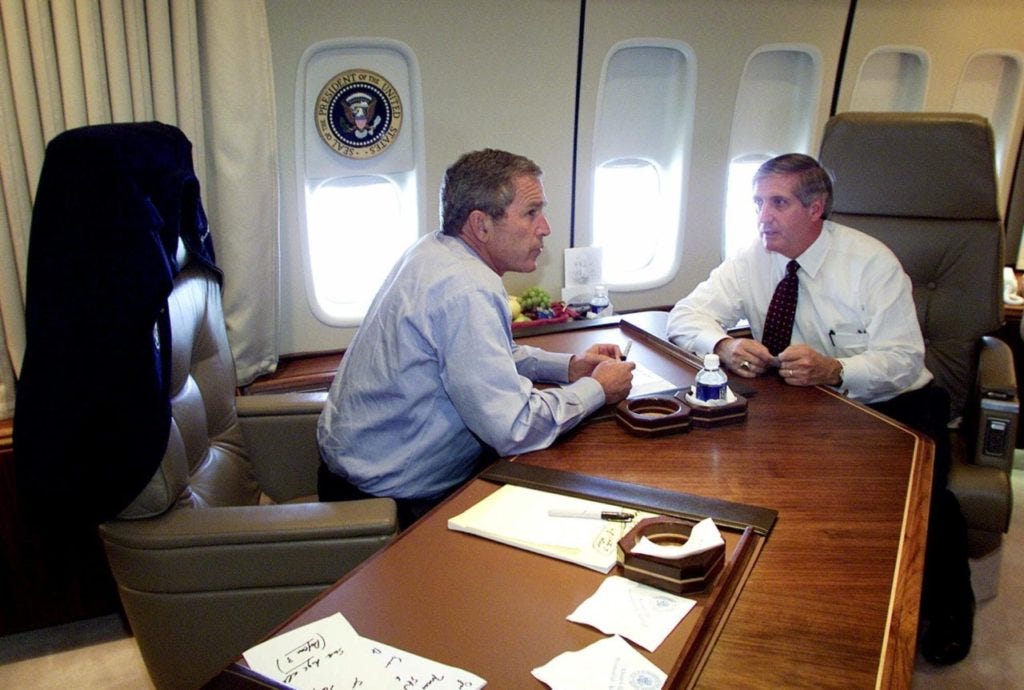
x: 329, y: 654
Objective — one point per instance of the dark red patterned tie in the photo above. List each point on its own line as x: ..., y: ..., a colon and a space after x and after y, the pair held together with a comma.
x: 778, y: 325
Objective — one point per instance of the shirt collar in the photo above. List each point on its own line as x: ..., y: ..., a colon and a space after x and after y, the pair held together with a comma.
x: 813, y: 257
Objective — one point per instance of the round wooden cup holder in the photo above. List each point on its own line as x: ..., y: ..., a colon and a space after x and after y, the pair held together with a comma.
x: 690, y: 573
x: 653, y: 416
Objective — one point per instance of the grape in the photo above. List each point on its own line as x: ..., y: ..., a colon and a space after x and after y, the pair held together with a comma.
x: 535, y: 298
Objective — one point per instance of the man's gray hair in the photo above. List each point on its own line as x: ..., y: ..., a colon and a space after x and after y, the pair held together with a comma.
x: 483, y: 180
x: 814, y: 180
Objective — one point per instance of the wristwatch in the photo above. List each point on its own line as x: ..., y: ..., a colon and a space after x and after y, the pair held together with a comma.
x: 841, y: 372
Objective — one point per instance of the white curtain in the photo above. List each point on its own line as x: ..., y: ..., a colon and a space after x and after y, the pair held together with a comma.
x: 204, y: 67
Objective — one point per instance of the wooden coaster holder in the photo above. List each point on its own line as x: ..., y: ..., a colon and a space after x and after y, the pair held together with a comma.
x: 692, y: 573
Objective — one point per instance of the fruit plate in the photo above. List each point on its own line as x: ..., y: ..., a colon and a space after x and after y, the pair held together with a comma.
x: 561, y: 318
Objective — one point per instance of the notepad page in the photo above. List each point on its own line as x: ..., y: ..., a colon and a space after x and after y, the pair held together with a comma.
x: 519, y: 516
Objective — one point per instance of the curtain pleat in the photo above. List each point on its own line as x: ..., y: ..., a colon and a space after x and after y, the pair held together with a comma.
x: 115, y: 56
x: 161, y: 62
x: 188, y: 100
x: 203, y: 67
x: 242, y: 157
x: 94, y: 62
x: 138, y: 60
x: 17, y: 190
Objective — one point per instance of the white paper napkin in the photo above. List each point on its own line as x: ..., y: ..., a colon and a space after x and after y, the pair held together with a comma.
x: 641, y: 613
x: 609, y: 663
x: 703, y: 537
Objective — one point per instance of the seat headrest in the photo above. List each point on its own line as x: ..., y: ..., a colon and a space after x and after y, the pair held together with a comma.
x: 924, y: 165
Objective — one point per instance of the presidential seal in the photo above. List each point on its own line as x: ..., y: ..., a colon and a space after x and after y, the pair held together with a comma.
x: 358, y: 113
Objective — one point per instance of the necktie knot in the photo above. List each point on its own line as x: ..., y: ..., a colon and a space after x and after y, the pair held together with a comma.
x: 778, y: 324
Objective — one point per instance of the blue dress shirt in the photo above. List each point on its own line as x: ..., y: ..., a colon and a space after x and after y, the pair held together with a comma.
x: 432, y: 376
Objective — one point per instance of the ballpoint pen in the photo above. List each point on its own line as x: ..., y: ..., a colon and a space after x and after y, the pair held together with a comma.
x: 610, y: 515
x: 625, y: 350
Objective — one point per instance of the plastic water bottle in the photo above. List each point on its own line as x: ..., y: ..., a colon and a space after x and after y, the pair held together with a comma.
x: 711, y: 382
x: 599, y: 302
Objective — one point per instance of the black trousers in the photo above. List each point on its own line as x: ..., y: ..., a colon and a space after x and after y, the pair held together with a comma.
x: 947, y: 575
x: 331, y: 487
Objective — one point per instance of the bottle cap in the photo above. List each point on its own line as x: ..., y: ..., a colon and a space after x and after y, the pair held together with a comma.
x: 711, y: 361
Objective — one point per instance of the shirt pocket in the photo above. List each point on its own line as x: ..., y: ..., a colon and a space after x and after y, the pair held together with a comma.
x: 849, y: 339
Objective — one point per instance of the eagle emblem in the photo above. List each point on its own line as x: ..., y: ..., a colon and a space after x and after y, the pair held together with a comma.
x: 359, y: 112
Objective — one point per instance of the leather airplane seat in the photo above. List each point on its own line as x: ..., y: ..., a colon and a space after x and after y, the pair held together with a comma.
x: 925, y: 185
x: 205, y: 501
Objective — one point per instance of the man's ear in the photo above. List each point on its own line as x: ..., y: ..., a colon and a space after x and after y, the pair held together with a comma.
x: 817, y: 207
x: 479, y: 225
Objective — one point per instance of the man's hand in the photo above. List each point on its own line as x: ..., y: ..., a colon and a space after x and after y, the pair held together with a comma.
x: 615, y: 377
x: 584, y: 364
x: 801, y: 365
x: 744, y: 356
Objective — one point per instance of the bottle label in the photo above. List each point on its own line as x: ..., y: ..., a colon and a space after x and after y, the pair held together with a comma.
x: 706, y: 392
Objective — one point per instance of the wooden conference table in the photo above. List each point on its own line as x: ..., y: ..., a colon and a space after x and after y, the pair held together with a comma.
x: 829, y: 597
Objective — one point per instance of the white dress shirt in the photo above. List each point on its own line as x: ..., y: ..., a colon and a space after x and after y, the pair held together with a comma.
x: 855, y: 304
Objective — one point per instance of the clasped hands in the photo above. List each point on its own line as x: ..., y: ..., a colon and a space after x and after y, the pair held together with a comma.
x: 603, y: 363
x: 798, y: 365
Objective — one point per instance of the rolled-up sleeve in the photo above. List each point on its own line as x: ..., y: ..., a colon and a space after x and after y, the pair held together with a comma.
x: 490, y: 381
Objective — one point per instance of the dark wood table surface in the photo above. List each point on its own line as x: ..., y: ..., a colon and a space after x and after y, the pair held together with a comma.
x: 830, y: 601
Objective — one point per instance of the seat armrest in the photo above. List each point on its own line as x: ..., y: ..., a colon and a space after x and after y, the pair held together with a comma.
x: 998, y: 405
x: 280, y: 433
x: 243, y: 547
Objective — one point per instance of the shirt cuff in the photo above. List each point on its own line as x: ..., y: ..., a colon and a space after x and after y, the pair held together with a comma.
x: 705, y: 341
x: 590, y: 393
x: 553, y: 366
x: 853, y: 377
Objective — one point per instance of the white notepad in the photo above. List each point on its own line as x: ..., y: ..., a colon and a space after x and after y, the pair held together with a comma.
x: 646, y: 382
x: 520, y: 517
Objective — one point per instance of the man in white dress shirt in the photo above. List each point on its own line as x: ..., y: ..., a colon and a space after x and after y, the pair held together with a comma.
x: 855, y: 329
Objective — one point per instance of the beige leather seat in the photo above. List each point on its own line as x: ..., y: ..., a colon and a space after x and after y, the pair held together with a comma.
x: 128, y: 416
x: 924, y: 183
x: 211, y: 556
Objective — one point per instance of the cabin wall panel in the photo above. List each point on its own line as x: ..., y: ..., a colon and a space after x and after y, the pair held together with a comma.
x: 950, y: 32
x: 494, y: 74
x: 722, y: 34
x: 505, y: 75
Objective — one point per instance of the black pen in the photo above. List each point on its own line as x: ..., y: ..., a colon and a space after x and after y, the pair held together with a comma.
x: 625, y: 350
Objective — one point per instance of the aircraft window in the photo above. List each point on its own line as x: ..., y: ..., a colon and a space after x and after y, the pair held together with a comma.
x: 740, y: 214
x: 626, y: 210
x: 775, y: 112
x: 990, y: 86
x: 359, y: 162
x: 891, y: 79
x: 355, y: 235
x: 641, y: 141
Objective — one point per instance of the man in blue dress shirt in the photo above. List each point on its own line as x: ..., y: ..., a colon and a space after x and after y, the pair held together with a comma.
x: 433, y: 381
